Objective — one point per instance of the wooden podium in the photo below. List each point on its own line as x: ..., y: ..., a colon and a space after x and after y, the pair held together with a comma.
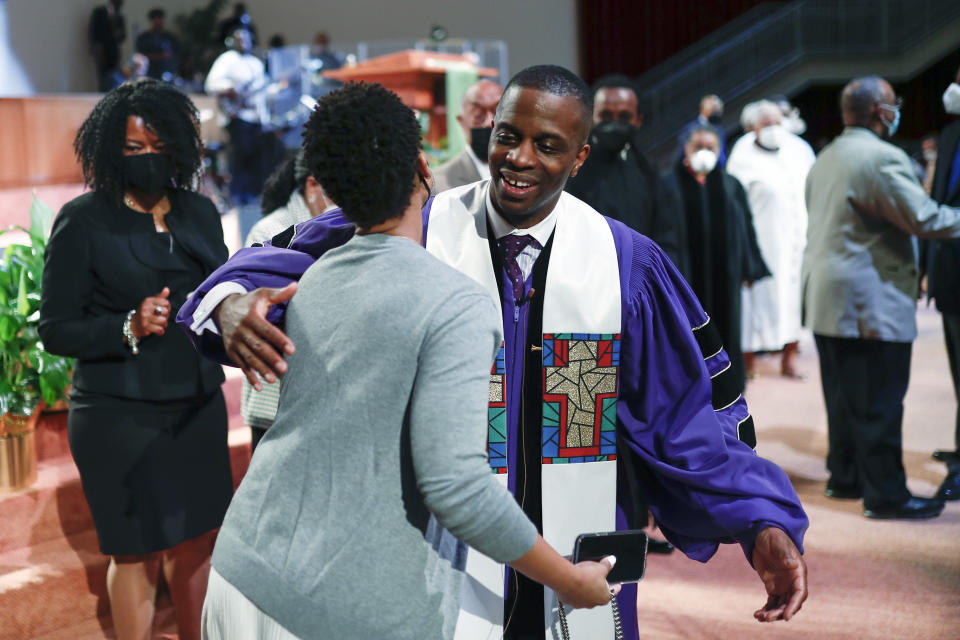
x: 38, y: 132
x: 418, y: 77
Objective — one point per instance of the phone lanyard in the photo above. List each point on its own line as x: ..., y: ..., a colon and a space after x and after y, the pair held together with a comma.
x: 617, y: 626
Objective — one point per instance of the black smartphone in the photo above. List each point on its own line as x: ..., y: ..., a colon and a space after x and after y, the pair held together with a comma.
x: 630, y: 548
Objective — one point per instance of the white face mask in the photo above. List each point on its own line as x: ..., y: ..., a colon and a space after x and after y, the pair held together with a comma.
x: 951, y: 99
x: 703, y: 161
x: 770, y: 137
x: 795, y: 125
x: 929, y: 155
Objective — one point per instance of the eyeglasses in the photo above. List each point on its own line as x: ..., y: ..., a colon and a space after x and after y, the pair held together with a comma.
x: 896, y: 106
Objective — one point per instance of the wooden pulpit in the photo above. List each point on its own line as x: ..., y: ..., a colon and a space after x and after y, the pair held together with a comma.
x: 418, y: 78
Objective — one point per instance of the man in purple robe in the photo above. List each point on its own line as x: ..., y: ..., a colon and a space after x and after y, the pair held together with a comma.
x: 674, y: 427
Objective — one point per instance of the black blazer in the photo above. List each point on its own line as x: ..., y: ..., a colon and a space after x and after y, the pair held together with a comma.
x: 102, y: 260
x: 942, y: 260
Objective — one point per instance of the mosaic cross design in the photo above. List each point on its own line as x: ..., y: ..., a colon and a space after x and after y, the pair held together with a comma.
x: 580, y: 373
x: 497, y: 416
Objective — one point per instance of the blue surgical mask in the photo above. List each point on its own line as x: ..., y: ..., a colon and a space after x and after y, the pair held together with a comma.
x: 892, y: 126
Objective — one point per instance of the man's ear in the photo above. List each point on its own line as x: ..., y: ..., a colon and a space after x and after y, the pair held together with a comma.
x: 423, y: 166
x: 581, y: 158
x: 639, y: 122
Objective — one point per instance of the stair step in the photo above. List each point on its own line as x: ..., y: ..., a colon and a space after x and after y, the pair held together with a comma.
x: 52, y: 574
x: 55, y: 505
x: 52, y: 508
x: 57, y: 590
x: 52, y: 585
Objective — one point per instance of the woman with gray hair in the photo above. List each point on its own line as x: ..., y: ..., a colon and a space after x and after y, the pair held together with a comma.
x: 772, y: 164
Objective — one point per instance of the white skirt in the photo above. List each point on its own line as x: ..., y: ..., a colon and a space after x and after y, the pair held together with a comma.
x: 230, y: 615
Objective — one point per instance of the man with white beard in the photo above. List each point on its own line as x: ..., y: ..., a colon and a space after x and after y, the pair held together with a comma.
x: 772, y: 164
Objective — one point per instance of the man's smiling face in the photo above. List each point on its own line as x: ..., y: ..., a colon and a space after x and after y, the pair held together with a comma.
x: 537, y: 143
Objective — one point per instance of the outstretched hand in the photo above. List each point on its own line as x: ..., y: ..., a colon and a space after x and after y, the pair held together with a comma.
x: 251, y: 342
x: 784, y: 574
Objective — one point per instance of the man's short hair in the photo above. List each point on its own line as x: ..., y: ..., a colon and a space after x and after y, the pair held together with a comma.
x: 557, y: 81
x: 860, y: 96
x: 362, y: 144
x: 156, y: 12
x: 616, y: 81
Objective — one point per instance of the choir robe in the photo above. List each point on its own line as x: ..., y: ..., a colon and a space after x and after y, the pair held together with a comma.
x: 723, y: 251
x: 684, y: 434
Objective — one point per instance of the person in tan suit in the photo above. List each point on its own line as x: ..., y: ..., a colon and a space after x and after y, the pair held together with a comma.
x: 476, y: 118
x: 859, y: 282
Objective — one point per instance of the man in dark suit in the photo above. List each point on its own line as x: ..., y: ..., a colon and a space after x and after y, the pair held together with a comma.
x: 943, y: 268
x: 107, y: 30
x: 619, y: 180
x: 476, y: 118
x: 711, y: 114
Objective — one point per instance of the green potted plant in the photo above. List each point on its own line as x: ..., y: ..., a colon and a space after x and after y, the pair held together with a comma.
x: 30, y: 378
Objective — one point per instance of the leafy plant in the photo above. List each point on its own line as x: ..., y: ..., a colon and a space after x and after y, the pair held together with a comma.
x: 198, y: 34
x: 28, y: 374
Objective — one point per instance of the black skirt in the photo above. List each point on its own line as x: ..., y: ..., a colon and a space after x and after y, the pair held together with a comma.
x: 155, y: 474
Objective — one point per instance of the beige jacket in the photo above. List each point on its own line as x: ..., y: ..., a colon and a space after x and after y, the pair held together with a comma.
x: 456, y: 172
x: 859, y: 274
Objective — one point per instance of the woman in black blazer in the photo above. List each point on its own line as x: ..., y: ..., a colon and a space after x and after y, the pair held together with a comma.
x: 148, y: 424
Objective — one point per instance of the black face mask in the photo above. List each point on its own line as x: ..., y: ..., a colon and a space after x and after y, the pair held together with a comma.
x: 479, y: 141
x: 148, y: 172
x: 715, y: 119
x: 612, y: 135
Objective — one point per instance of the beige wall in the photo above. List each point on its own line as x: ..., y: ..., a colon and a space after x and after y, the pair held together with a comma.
x: 49, y: 36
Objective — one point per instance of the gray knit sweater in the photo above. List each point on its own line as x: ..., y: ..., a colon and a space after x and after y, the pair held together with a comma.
x: 382, y: 421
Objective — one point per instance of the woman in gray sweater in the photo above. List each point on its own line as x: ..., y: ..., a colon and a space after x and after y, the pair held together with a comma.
x: 382, y: 421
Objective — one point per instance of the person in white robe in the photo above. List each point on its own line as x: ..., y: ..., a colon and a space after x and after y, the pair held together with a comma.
x: 772, y: 164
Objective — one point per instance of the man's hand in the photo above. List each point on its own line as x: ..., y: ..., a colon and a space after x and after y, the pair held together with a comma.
x: 255, y: 345
x: 783, y: 572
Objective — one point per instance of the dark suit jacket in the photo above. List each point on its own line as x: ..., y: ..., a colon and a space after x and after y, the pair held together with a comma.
x: 646, y: 205
x: 102, y: 261
x: 943, y: 256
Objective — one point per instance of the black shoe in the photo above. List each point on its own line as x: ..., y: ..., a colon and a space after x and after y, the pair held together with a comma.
x: 659, y: 546
x: 913, y: 509
x: 842, y: 492
x: 950, y: 489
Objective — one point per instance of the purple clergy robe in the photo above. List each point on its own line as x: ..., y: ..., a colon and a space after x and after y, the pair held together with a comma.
x: 704, y: 485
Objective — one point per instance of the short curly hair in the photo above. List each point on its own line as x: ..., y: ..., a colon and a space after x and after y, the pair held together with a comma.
x: 558, y: 81
x: 165, y: 111
x: 362, y: 143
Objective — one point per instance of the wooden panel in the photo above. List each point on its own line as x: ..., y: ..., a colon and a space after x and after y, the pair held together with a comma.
x: 13, y: 151
x: 38, y: 132
x: 42, y: 129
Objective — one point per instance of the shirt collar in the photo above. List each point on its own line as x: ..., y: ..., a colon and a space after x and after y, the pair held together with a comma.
x: 540, y: 231
x: 482, y: 167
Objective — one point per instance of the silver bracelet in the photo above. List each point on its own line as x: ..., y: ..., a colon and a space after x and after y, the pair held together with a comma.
x: 128, y: 336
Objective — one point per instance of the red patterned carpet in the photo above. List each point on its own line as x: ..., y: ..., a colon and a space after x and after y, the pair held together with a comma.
x: 868, y: 579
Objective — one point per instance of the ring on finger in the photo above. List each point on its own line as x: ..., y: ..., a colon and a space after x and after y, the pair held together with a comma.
x: 158, y: 309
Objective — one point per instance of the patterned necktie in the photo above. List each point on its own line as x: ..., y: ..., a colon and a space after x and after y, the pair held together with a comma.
x: 512, y: 246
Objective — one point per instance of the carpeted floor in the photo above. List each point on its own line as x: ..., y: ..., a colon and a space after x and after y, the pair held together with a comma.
x: 868, y: 579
